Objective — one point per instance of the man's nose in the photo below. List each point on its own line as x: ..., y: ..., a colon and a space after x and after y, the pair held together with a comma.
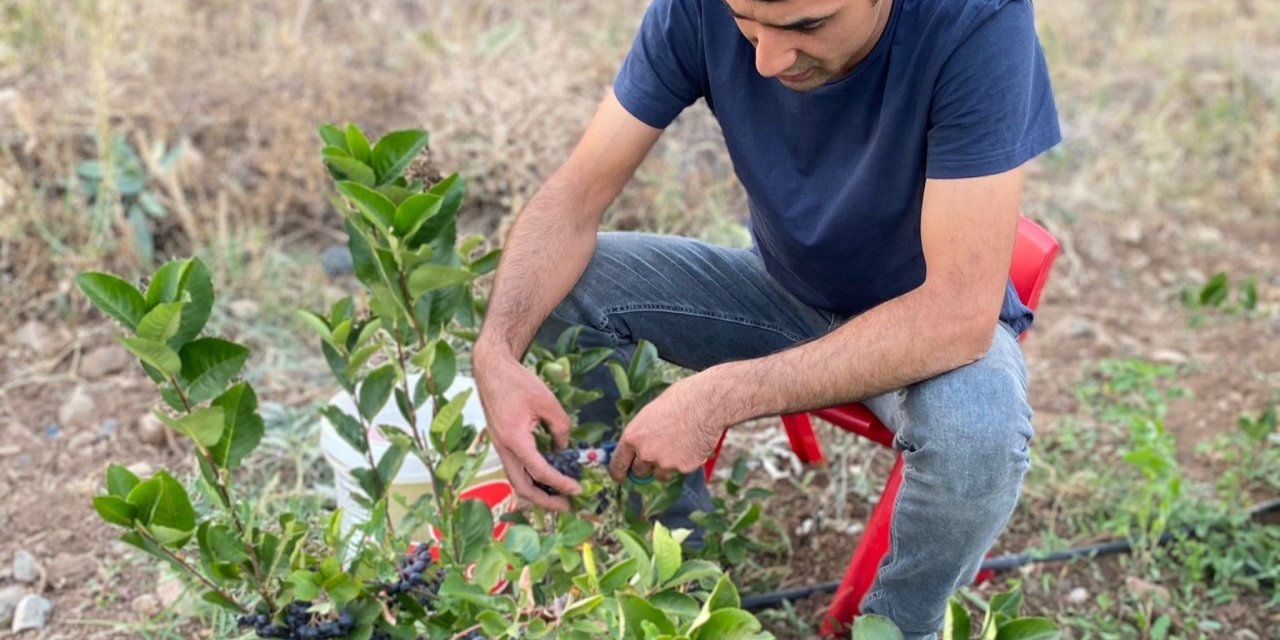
x: 773, y: 55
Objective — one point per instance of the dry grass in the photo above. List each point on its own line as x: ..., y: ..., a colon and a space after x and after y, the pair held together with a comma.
x: 1169, y: 109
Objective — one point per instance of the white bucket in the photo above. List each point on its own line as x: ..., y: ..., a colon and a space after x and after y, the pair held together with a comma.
x: 413, y: 480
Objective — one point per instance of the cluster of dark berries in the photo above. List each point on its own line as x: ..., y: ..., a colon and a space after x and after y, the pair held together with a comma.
x: 417, y: 578
x: 566, y: 462
x: 299, y: 624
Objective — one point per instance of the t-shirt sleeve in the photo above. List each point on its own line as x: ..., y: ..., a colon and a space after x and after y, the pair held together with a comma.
x: 665, y: 70
x: 992, y: 107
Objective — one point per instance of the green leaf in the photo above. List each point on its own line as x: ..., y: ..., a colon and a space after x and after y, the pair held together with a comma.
x: 875, y: 627
x: 728, y: 624
x: 306, y: 584
x: 217, y: 599
x: 395, y: 151
x: 1029, y: 629
x: 161, y: 322
x: 316, y: 323
x: 153, y: 353
x: 242, y: 428
x: 523, y: 541
x: 618, y: 575
x: 377, y: 208
x: 414, y: 211
x: 114, y: 297
x: 666, y: 553
x: 620, y: 379
x: 475, y: 528
x: 208, y: 364
x: 357, y: 144
x: 225, y: 545
x: 582, y: 607
x: 1249, y: 294
x: 351, y: 170
x: 692, y: 570
x: 450, y: 413
x: 376, y: 389
x: 430, y: 277
x: 748, y: 518
x: 333, y: 136
x: 486, y: 263
x: 723, y: 596
x: 198, y: 285
x: 444, y: 366
x: 173, y: 519
x: 957, y: 625
x: 636, y: 610
x: 389, y: 463
x: 115, y: 510
x: 632, y: 543
x: 204, y: 425
x: 347, y: 426
x: 676, y: 604
x: 120, y: 481
x: 576, y: 532
x: 1214, y: 293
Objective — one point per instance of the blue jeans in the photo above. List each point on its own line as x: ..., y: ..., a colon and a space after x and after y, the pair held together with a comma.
x: 964, y: 435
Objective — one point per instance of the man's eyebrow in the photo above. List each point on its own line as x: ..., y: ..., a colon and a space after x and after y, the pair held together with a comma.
x: 795, y: 25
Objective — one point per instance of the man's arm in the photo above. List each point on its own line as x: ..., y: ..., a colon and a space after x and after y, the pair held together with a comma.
x: 545, y: 254
x: 967, y: 231
x: 555, y: 234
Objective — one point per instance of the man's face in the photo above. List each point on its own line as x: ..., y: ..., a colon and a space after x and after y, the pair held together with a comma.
x: 808, y: 43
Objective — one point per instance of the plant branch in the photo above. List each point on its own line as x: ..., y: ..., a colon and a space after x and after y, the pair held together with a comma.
x: 190, y: 569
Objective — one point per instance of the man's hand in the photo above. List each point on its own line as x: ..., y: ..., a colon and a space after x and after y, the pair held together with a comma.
x: 515, y: 401
x: 675, y: 433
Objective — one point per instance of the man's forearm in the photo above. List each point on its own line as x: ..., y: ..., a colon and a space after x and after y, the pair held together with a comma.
x: 910, y: 338
x: 545, y: 254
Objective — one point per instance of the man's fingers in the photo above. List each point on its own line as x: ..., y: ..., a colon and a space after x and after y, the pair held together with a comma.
x: 622, y: 457
x: 557, y: 421
x: 543, y: 472
x: 641, y: 469
x: 665, y: 475
x: 523, y: 484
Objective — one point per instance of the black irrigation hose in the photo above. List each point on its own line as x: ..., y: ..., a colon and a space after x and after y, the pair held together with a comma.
x: 999, y: 564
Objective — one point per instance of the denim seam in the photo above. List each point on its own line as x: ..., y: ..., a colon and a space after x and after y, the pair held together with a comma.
x: 697, y: 313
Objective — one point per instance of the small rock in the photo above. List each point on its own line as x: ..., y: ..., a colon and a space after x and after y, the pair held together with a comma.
x: 25, y: 567
x: 104, y: 361
x: 1131, y: 232
x: 71, y: 568
x: 1078, y: 595
x: 243, y: 309
x: 32, y: 613
x: 169, y: 591
x: 78, y: 410
x: 108, y: 428
x: 150, y: 429
x: 1245, y: 634
x: 33, y: 336
x: 9, y: 598
x: 146, y: 605
x: 141, y: 469
x: 1204, y: 234
x: 1168, y: 356
x: 1076, y: 327
x: 1144, y: 590
x: 337, y: 261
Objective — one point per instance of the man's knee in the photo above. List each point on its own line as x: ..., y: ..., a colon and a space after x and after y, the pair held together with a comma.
x: 968, y: 431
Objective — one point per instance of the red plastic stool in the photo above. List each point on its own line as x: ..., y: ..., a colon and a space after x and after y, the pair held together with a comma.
x: 1033, y: 254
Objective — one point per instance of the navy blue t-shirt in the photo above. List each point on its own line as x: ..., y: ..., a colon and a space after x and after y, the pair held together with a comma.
x: 835, y: 176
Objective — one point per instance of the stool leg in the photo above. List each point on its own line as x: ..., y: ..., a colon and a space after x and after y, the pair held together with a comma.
x: 709, y: 466
x: 866, y: 559
x: 803, y: 442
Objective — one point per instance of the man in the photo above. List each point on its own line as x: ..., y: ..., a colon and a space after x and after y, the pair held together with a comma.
x: 880, y: 145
